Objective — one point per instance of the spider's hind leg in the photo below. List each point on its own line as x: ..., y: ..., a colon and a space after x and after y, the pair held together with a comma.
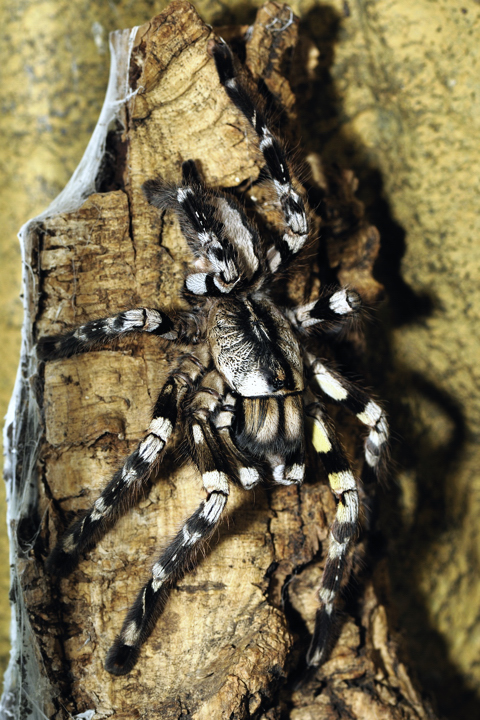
x: 181, y: 554
x: 123, y: 489
x: 172, y: 564
x: 344, y: 487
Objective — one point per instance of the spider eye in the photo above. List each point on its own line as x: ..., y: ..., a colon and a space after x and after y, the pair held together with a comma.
x: 277, y: 383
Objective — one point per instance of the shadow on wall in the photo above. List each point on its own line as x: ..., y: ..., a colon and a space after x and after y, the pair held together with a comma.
x: 400, y: 387
x: 415, y: 452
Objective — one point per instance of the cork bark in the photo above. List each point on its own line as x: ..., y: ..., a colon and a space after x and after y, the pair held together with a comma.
x: 231, y: 641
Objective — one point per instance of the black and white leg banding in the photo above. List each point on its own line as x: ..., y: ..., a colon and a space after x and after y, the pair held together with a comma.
x: 346, y: 393
x: 178, y: 557
x: 344, y: 487
x: 333, y: 308
x: 226, y: 244
x: 296, y: 223
x: 201, y: 227
x: 98, y: 332
x: 122, y: 491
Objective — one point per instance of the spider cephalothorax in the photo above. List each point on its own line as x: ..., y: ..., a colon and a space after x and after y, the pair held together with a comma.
x: 244, y: 388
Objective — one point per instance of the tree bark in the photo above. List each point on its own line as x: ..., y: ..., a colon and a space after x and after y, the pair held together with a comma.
x: 231, y: 641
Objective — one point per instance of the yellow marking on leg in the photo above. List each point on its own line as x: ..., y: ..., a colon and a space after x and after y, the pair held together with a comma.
x: 331, y: 386
x: 371, y: 415
x: 342, y: 481
x: 321, y: 443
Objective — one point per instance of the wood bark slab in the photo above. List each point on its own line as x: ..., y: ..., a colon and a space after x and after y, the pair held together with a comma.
x: 231, y: 641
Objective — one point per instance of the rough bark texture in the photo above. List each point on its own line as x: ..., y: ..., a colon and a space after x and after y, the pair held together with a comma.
x: 231, y: 640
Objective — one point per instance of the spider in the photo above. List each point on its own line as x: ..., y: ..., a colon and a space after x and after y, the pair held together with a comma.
x: 244, y: 388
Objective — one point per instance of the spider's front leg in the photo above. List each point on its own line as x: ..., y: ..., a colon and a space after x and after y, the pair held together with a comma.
x: 96, y: 333
x: 227, y: 246
x: 333, y: 309
x: 122, y: 491
x: 181, y: 554
x: 296, y: 228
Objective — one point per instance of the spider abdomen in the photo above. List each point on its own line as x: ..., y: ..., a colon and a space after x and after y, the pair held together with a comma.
x: 271, y: 430
x: 273, y: 422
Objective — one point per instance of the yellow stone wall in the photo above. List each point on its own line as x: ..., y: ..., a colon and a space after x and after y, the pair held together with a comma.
x: 406, y: 77
x: 399, y: 101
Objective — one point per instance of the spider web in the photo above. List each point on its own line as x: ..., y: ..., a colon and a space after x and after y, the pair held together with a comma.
x: 27, y: 689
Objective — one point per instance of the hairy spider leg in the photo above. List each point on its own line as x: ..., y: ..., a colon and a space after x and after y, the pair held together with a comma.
x: 246, y: 470
x: 239, y: 236
x: 123, y: 489
x: 296, y: 223
x: 348, y: 394
x: 181, y: 554
x: 98, y: 332
x: 335, y: 307
x: 227, y: 246
x: 344, y: 487
x: 172, y: 564
x: 203, y: 436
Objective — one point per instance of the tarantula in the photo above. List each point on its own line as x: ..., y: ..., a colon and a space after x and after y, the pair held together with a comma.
x: 243, y: 390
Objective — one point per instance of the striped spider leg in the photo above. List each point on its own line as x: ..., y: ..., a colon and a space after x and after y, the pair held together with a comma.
x: 296, y: 230
x: 205, y: 447
x: 344, y: 487
x: 335, y: 307
x: 342, y: 483
x: 96, y: 333
x: 229, y: 252
x: 125, y: 486
x: 343, y: 392
x: 176, y: 559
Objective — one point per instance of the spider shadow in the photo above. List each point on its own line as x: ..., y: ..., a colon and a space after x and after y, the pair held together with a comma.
x: 409, y: 544
x: 417, y: 452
